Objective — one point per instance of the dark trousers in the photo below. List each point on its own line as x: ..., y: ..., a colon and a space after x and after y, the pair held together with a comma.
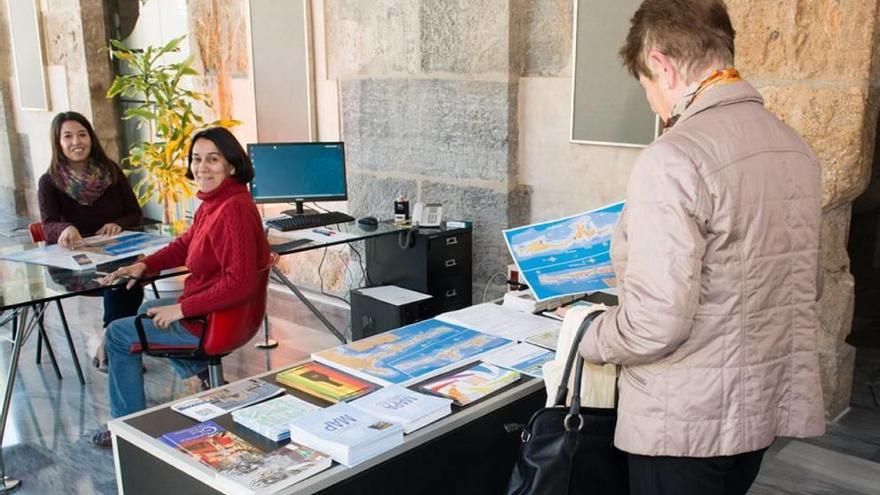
x: 120, y: 302
x: 725, y: 475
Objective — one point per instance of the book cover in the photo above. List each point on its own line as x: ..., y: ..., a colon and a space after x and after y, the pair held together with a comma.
x: 324, y: 382
x: 271, y: 418
x: 227, y: 399
x: 345, y: 432
x: 397, y: 404
x: 279, y: 468
x: 214, y: 446
x: 412, y: 353
x: 471, y: 384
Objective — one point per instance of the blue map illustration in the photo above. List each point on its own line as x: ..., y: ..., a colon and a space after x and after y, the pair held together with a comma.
x: 409, y: 354
x: 566, y: 256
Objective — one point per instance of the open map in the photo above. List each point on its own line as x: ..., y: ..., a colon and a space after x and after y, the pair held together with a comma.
x: 409, y: 354
x: 93, y: 250
x: 566, y: 256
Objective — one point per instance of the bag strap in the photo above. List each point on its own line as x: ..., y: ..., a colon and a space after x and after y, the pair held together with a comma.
x: 562, y: 392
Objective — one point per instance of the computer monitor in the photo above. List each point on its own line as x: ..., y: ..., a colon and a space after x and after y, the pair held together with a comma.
x: 298, y: 172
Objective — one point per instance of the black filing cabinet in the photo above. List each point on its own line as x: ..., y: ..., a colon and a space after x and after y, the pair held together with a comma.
x: 433, y: 261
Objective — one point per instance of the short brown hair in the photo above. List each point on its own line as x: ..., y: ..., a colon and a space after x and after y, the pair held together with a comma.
x: 694, y: 33
x: 229, y: 147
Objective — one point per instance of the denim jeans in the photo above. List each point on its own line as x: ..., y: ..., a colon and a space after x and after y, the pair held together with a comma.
x: 125, y: 369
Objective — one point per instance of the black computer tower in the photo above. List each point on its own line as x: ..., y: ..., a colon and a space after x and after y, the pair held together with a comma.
x: 438, y: 262
x: 371, y: 315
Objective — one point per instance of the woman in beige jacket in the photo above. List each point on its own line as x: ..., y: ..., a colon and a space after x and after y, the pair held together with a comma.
x: 716, y: 254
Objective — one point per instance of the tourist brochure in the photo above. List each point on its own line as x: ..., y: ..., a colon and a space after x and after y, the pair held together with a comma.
x: 497, y: 320
x: 272, y: 418
x: 346, y: 433
x: 570, y: 255
x: 227, y: 399
x: 278, y: 469
x: 525, y: 358
x: 93, y: 251
x: 242, y: 466
x: 412, y: 353
x: 397, y: 404
x: 470, y: 384
x: 324, y: 382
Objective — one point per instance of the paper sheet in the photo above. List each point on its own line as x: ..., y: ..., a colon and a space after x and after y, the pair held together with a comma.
x: 500, y: 321
x: 393, y: 294
x: 525, y: 358
x: 93, y: 251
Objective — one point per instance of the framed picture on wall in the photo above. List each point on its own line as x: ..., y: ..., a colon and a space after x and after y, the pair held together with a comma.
x: 27, y: 53
x: 608, y: 105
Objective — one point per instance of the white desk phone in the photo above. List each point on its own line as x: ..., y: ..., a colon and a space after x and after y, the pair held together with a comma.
x: 427, y: 215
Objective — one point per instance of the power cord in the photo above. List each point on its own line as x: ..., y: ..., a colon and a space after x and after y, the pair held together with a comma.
x: 361, y: 264
x: 489, y: 282
x: 404, y: 239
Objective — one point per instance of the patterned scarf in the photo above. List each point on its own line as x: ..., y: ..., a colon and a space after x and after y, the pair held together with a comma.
x: 723, y: 76
x: 86, y: 187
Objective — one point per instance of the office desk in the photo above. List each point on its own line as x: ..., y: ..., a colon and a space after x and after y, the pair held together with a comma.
x: 347, y: 233
x: 468, y: 452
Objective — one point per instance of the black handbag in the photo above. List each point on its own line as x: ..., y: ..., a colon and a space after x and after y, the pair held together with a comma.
x: 570, y: 450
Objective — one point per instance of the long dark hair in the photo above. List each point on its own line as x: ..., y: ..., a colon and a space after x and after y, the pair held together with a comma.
x: 229, y: 147
x: 96, y: 153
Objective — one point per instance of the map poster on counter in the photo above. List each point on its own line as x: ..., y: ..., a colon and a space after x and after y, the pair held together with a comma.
x: 412, y: 353
x: 570, y: 255
x: 93, y: 251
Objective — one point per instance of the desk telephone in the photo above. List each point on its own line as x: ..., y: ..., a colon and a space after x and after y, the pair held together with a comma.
x: 427, y: 215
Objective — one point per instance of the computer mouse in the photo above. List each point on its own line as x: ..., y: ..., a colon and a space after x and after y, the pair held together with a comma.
x: 368, y: 221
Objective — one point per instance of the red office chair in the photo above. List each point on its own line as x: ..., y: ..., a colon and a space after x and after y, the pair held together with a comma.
x: 222, y: 331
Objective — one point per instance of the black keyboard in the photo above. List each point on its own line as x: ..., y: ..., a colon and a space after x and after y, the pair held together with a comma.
x: 299, y: 222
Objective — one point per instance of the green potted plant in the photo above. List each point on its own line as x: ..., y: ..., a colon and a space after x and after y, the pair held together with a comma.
x: 168, y: 110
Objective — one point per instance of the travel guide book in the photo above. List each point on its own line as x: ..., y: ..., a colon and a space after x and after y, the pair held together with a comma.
x: 241, y: 466
x: 470, y: 384
x: 324, y: 382
x: 346, y: 433
x: 227, y: 399
x: 397, y: 404
x: 409, y: 354
x: 272, y: 418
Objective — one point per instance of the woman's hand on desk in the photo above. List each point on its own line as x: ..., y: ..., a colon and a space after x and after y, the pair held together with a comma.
x: 109, y: 229
x: 69, y: 237
x: 131, y: 272
x: 165, y: 315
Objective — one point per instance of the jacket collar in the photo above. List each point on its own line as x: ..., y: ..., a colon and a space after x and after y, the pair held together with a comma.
x: 229, y: 187
x: 718, y: 96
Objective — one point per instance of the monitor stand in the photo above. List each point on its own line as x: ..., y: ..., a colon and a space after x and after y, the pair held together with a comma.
x: 299, y: 210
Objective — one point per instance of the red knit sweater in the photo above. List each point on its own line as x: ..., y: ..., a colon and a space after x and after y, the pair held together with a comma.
x: 223, y: 250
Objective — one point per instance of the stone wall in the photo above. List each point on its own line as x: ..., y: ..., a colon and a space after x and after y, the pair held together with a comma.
x: 428, y: 104
x: 77, y: 77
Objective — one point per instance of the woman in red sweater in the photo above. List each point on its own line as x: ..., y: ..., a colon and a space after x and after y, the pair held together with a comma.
x: 223, y: 250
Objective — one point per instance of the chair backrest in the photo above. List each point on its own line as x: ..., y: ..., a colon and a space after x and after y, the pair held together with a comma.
x: 36, y: 230
x: 231, y: 328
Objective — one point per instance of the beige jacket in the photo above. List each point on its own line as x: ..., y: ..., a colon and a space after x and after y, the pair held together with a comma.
x: 716, y: 255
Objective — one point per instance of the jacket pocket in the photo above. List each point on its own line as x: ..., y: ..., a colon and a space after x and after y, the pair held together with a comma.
x: 638, y: 378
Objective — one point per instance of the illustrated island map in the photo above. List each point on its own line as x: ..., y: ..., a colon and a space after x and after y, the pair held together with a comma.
x: 407, y: 354
x: 566, y: 256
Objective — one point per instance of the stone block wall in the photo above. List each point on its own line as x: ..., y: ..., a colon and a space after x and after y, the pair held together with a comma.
x: 428, y: 104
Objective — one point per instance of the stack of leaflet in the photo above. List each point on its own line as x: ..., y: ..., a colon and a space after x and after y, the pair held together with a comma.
x: 272, y: 418
x: 500, y: 321
x: 396, y: 404
x: 227, y: 399
x: 349, y: 435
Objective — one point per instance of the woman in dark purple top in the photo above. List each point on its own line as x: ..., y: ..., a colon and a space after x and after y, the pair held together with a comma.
x: 85, y: 193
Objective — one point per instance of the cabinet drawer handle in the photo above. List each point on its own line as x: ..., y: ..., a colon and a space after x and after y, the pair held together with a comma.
x: 451, y: 241
x: 450, y: 263
x: 451, y: 293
